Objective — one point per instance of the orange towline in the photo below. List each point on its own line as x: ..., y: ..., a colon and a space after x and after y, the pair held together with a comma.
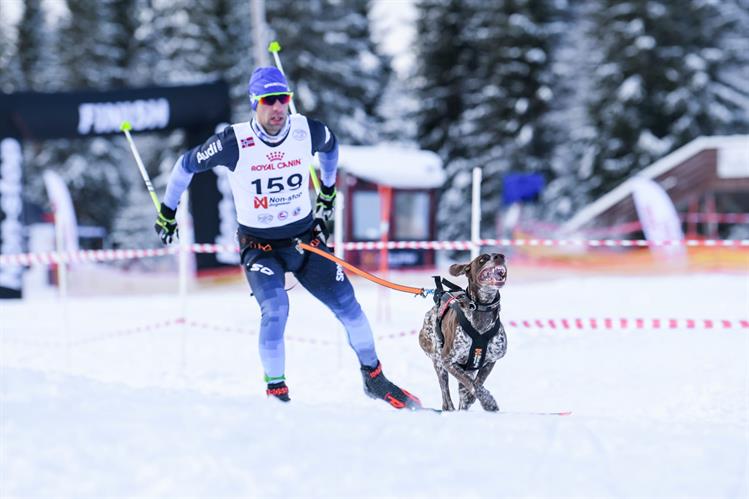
x: 366, y: 275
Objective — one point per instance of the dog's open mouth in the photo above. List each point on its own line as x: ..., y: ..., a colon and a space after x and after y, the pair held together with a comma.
x: 493, y: 276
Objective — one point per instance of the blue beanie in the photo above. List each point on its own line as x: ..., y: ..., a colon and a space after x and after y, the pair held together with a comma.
x: 266, y: 80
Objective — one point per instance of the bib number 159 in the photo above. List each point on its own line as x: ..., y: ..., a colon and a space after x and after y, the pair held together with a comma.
x: 274, y: 185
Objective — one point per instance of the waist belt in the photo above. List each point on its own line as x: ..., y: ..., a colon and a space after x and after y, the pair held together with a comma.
x: 248, y: 242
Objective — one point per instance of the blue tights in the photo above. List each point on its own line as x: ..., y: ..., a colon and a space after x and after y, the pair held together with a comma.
x: 321, y: 277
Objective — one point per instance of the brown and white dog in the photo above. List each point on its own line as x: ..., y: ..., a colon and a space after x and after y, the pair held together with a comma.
x: 469, y: 347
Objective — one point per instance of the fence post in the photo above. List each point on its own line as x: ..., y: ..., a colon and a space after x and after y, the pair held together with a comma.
x: 476, y: 214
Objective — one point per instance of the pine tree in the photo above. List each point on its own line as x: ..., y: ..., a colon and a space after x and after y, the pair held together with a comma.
x: 440, y: 85
x: 441, y: 56
x: 332, y: 64
x: 34, y: 48
x: 659, y: 82
x: 510, y: 90
x: 571, y: 164
x: 10, y: 77
x: 95, y: 49
x: 485, y: 84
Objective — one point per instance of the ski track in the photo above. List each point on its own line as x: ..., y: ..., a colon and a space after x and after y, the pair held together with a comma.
x: 179, y: 411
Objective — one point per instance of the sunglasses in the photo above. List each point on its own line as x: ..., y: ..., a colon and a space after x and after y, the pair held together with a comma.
x: 270, y: 99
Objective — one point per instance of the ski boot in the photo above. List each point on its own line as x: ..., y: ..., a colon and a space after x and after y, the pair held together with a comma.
x: 278, y: 390
x: 377, y: 386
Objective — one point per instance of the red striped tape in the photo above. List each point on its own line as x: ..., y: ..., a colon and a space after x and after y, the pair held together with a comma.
x: 83, y: 256
x: 594, y: 324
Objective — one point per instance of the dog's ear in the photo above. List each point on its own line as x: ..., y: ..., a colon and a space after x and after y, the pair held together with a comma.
x: 457, y: 269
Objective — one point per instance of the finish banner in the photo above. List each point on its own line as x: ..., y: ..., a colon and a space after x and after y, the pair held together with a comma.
x: 38, y: 116
x: 45, y: 116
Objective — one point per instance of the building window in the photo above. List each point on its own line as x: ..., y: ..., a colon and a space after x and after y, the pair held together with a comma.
x: 366, y: 213
x: 411, y: 216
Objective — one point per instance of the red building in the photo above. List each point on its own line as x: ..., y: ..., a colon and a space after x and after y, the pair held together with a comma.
x: 389, y: 194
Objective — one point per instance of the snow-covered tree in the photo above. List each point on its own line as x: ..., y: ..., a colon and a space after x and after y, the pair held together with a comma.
x: 510, y: 92
x: 185, y: 42
x: 440, y: 78
x: 571, y: 166
x: 658, y: 84
x: 11, y: 77
x: 441, y: 87
x: 332, y: 63
x: 485, y: 82
x: 34, y: 44
x: 94, y: 49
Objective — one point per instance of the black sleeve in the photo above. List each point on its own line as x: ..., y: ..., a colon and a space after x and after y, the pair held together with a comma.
x: 323, y: 139
x: 219, y: 150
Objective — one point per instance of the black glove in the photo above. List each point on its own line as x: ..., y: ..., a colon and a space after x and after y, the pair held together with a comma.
x: 325, y: 202
x: 166, y: 225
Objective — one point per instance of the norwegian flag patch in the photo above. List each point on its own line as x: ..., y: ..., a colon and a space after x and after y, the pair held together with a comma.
x: 248, y: 142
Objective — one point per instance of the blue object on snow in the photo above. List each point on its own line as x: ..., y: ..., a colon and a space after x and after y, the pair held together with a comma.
x: 521, y: 187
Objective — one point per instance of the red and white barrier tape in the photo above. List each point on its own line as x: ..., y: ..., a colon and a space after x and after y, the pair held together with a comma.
x: 82, y: 256
x: 628, y: 324
x: 594, y: 243
x: 609, y: 324
x: 730, y: 218
x: 547, y: 325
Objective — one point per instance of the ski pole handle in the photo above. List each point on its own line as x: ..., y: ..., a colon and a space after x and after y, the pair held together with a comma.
x: 126, y: 127
x: 274, y: 48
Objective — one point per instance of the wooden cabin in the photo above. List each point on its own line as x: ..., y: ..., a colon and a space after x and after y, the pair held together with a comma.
x: 704, y: 179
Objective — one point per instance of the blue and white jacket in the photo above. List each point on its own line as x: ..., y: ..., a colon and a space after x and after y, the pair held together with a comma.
x: 268, y: 175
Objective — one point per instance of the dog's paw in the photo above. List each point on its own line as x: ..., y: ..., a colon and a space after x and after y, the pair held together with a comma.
x: 465, y: 405
x: 487, y: 401
x: 448, y: 407
x: 466, y: 398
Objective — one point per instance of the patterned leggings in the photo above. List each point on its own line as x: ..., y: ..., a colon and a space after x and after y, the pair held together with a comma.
x: 321, y: 277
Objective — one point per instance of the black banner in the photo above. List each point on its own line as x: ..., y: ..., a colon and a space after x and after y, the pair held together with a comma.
x: 38, y: 116
x: 43, y: 116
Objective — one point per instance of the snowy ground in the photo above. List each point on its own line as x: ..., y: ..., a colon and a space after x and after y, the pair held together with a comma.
x: 95, y: 404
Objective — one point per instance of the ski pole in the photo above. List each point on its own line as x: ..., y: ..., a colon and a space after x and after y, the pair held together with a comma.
x: 274, y: 48
x: 377, y: 280
x: 126, y: 127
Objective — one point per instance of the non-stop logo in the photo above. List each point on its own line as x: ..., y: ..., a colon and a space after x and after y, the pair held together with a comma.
x: 261, y: 202
x: 265, y: 202
x: 275, y: 162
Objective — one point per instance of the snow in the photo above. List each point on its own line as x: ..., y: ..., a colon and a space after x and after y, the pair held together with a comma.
x: 393, y: 165
x: 92, y: 406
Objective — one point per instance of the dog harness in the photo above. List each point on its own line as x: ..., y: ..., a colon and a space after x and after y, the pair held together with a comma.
x: 451, y: 299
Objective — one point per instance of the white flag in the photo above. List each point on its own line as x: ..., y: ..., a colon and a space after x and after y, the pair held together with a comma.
x: 658, y: 217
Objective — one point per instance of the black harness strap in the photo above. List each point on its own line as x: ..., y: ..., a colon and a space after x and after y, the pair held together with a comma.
x: 439, y: 294
x: 479, y: 342
x: 451, y: 299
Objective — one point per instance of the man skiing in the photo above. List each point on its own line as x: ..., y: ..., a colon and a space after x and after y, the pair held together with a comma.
x: 268, y: 160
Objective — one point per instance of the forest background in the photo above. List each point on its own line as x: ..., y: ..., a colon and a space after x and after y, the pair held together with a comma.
x: 585, y: 93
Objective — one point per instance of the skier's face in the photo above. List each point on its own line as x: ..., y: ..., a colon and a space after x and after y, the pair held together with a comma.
x: 272, y: 116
